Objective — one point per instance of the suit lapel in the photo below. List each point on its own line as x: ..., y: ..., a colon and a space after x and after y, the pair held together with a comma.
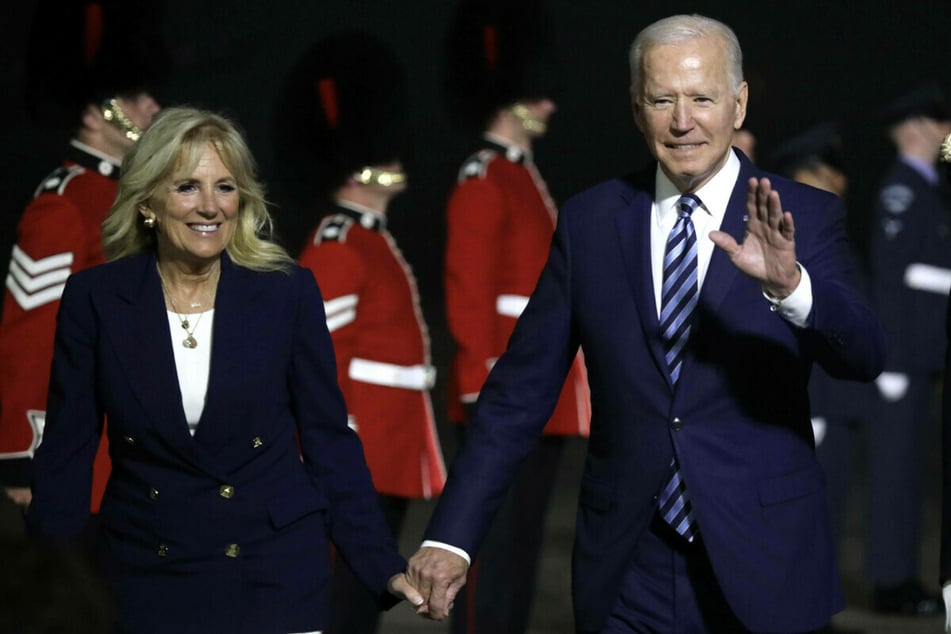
x: 632, y: 221
x: 633, y: 226
x: 238, y: 324
x: 137, y: 324
x: 721, y: 272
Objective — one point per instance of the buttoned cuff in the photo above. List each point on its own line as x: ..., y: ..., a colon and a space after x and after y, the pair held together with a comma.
x: 434, y: 544
x: 796, y: 307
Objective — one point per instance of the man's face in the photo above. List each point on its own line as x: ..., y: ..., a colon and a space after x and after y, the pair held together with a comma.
x: 824, y: 176
x: 687, y: 109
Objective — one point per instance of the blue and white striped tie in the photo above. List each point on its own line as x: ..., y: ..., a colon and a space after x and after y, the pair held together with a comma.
x: 679, y: 291
x: 678, y: 299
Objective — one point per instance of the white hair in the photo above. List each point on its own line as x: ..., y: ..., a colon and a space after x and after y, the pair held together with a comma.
x: 678, y: 28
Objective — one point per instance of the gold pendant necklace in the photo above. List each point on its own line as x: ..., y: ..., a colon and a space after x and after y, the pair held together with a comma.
x: 189, y: 341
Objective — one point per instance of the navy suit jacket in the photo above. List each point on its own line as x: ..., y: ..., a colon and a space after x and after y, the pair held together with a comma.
x: 229, y: 530
x: 738, y: 419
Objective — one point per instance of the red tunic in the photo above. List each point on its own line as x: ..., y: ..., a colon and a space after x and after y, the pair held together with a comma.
x: 382, y: 347
x: 58, y: 234
x: 500, y: 220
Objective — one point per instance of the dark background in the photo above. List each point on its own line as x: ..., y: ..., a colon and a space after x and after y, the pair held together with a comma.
x: 806, y: 62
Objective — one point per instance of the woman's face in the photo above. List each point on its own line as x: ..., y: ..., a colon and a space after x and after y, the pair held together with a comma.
x: 195, y: 213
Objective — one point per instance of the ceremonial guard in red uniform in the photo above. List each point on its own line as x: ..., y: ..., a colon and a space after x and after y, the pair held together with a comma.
x: 89, y: 65
x: 382, y: 347
x: 500, y: 219
x: 342, y: 122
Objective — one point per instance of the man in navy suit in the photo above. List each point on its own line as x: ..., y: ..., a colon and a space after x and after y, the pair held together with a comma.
x: 718, y: 406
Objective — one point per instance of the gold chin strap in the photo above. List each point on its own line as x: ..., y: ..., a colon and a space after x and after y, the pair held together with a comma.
x: 530, y: 123
x: 112, y: 112
x: 946, y: 149
x: 383, y: 178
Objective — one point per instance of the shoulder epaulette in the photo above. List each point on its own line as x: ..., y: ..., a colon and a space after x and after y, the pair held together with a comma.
x: 56, y: 181
x: 333, y: 229
x: 477, y: 164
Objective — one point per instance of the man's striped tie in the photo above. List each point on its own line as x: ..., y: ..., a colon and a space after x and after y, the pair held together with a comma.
x: 678, y: 299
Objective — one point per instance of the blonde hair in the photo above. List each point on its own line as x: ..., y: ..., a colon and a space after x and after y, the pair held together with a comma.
x: 172, y: 145
x: 678, y: 28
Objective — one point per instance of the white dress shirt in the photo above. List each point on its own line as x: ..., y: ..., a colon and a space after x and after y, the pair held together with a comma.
x: 714, y: 197
x: 192, y: 364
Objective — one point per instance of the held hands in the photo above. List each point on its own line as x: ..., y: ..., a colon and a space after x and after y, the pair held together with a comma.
x: 768, y: 251
x: 21, y: 496
x: 400, y: 587
x: 438, y: 574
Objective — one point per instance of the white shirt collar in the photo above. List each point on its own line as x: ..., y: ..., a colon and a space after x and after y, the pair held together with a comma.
x: 714, y: 195
x: 368, y: 217
x: 90, y: 150
x: 513, y: 152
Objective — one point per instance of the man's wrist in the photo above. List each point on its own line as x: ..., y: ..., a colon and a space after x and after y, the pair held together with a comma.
x: 429, y: 543
x: 796, y: 306
x: 779, y: 294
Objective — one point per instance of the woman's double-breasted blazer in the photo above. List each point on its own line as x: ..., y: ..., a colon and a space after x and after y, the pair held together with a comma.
x: 228, y: 530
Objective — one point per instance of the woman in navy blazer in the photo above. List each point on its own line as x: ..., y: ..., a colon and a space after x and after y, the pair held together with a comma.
x: 207, y: 350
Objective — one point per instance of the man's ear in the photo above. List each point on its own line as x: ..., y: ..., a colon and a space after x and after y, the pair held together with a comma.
x: 742, y: 97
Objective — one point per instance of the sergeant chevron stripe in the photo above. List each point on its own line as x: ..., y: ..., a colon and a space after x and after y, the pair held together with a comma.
x: 34, y: 283
x: 341, y: 311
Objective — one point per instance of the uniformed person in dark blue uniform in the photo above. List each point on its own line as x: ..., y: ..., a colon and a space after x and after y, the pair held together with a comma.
x: 911, y: 276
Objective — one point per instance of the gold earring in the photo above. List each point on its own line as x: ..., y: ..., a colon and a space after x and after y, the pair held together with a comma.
x: 149, y: 222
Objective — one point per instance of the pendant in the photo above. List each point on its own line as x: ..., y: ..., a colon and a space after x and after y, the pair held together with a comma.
x: 185, y: 324
x: 189, y: 342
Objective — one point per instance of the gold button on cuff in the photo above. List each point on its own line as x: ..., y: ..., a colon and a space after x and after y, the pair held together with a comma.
x: 226, y: 491
x: 162, y: 550
x: 129, y: 440
x: 153, y: 493
x: 257, y: 442
x: 232, y: 550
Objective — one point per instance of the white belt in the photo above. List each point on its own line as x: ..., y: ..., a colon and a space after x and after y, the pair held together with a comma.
x: 510, y: 305
x: 408, y: 377
x: 925, y: 277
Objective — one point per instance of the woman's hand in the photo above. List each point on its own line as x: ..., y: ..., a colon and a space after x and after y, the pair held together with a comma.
x: 21, y: 496
x: 399, y: 586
